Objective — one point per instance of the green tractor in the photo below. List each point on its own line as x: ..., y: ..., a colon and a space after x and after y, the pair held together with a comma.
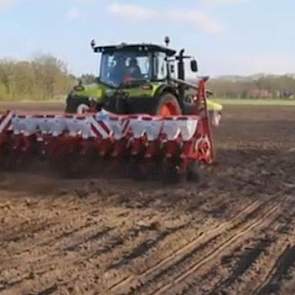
x: 139, y: 79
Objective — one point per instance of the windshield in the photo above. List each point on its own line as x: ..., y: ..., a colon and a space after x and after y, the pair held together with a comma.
x: 125, y: 67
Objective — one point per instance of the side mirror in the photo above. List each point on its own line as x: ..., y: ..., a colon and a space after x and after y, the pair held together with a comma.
x: 194, y: 66
x: 80, y: 86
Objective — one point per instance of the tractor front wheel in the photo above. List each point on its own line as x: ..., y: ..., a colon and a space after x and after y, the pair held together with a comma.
x: 76, y: 105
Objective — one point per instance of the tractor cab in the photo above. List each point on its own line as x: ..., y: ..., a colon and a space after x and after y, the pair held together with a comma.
x: 137, y: 64
x: 133, y: 64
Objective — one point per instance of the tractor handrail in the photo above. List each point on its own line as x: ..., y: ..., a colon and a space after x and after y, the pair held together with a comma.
x: 191, y: 85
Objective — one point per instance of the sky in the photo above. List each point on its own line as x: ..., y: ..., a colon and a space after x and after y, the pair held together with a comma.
x: 227, y: 37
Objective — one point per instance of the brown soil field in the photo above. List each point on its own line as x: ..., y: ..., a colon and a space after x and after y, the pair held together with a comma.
x: 231, y: 233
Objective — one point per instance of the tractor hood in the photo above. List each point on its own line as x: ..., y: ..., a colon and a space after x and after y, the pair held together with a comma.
x: 93, y: 91
x: 99, y: 91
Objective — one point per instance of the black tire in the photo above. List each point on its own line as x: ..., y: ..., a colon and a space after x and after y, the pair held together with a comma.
x: 193, y: 172
x: 73, y: 103
x: 169, y: 172
x: 164, y: 99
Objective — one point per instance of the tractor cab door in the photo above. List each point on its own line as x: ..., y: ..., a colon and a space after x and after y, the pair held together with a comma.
x: 160, y: 66
x: 191, y: 68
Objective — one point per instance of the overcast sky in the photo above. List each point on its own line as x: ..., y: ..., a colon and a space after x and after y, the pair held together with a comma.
x: 226, y: 36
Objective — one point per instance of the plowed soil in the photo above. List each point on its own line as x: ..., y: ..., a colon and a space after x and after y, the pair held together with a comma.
x: 231, y: 233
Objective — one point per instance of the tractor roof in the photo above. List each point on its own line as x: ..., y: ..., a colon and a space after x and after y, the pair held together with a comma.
x: 135, y: 47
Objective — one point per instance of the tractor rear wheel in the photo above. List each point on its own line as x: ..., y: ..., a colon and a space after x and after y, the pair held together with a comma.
x: 167, y: 105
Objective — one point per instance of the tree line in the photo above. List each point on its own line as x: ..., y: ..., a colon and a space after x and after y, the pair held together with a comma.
x: 46, y: 77
x: 264, y: 86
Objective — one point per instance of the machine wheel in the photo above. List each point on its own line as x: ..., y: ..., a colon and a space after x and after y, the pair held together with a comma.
x: 170, y: 172
x: 77, y: 105
x: 193, y: 172
x: 167, y: 105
